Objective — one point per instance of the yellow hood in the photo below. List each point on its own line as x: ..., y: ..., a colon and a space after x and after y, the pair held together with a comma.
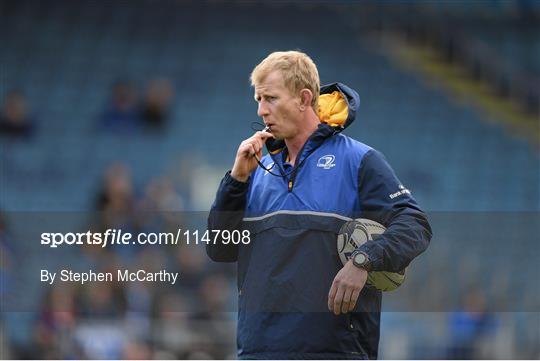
x: 333, y: 109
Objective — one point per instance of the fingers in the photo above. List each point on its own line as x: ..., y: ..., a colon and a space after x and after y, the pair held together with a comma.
x: 245, y: 163
x: 342, y: 299
x: 346, y: 300
x: 249, y: 148
x: 260, y: 139
x: 255, y: 144
x: 259, y: 143
x: 264, y: 135
x: 253, y: 149
x: 354, y: 298
x: 332, y: 296
x: 336, y: 307
x: 346, y: 289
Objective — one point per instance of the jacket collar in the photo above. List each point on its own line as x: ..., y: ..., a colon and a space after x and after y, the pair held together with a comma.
x: 338, y: 105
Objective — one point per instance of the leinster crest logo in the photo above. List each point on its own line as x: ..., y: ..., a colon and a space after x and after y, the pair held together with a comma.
x: 326, y: 161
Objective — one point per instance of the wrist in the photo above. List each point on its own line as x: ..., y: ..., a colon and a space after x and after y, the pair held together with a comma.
x: 239, y: 177
x: 361, y: 260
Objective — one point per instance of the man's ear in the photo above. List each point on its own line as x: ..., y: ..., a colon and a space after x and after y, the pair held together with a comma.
x: 305, y: 99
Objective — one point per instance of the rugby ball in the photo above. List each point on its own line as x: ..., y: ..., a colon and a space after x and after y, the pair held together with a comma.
x: 357, y: 232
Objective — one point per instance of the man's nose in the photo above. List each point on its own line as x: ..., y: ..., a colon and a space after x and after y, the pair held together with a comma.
x: 262, y: 110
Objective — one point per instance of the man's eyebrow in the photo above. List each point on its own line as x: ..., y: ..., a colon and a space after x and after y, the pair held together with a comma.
x: 258, y: 96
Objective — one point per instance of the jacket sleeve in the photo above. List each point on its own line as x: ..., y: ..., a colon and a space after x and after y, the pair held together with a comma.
x: 226, y: 214
x: 385, y: 200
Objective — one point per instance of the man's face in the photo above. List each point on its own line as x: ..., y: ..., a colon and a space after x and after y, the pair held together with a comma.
x: 278, y: 107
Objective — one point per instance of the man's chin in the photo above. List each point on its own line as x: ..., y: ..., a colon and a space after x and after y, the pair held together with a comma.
x: 277, y: 135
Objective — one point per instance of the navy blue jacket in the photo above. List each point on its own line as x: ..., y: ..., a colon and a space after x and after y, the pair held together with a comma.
x: 285, y: 272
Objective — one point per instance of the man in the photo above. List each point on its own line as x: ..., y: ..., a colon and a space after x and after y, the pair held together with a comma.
x: 15, y: 122
x: 314, y: 179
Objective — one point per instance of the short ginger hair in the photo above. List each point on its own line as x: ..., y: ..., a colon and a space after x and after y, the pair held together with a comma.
x: 297, y: 69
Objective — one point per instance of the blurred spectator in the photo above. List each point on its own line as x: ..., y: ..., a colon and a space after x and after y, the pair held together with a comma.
x: 116, y: 206
x: 469, y: 326
x: 156, y: 103
x: 102, y: 300
x: 55, y: 324
x: 136, y: 351
x: 101, y: 339
x: 5, y: 347
x: 161, y: 208
x: 7, y: 263
x: 192, y: 267
x: 121, y: 112
x: 214, y: 294
x: 6, y: 259
x: 116, y: 199
x: 14, y: 118
x: 161, y: 196
x: 182, y: 176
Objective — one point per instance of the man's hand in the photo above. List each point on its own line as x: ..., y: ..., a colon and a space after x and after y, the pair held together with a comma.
x: 346, y: 288
x: 245, y: 161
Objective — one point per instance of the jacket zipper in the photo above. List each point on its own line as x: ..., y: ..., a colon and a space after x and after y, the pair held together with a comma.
x: 298, y: 164
x: 292, y: 179
x: 350, y: 325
